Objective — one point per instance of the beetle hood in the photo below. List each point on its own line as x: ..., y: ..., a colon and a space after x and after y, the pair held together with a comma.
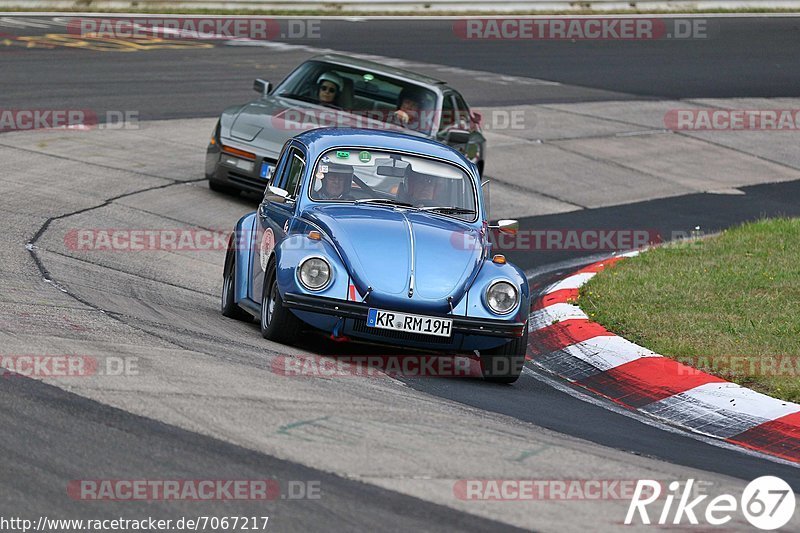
x: 382, y: 246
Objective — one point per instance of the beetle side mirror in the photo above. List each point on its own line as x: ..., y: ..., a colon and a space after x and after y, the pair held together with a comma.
x: 275, y: 194
x: 477, y: 117
x: 262, y: 87
x: 506, y: 226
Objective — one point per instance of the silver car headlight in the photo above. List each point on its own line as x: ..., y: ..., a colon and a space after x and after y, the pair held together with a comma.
x: 502, y: 297
x: 314, y: 273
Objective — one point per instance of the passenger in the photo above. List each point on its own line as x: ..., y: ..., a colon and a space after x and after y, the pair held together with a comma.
x: 330, y: 87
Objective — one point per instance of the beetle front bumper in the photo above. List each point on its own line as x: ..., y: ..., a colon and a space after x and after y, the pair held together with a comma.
x: 464, y: 328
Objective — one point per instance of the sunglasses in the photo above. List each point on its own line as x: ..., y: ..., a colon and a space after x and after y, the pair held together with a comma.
x: 328, y: 88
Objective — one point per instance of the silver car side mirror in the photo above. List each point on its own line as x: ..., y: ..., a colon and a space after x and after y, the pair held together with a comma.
x: 262, y: 87
x: 457, y: 136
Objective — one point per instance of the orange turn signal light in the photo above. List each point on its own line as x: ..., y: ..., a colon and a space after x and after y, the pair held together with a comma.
x: 238, y: 153
x: 499, y: 259
x: 315, y: 235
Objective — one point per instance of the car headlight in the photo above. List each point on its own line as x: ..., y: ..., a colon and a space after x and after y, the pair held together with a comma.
x: 314, y: 273
x: 502, y: 297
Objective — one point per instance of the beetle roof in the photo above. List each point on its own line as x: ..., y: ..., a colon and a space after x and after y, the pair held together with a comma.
x: 323, y: 139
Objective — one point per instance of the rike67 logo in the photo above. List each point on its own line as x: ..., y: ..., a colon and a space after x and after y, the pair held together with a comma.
x: 767, y: 503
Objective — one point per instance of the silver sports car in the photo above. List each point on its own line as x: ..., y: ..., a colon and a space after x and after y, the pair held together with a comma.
x: 335, y: 91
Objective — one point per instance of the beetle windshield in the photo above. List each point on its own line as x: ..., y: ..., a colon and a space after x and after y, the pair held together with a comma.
x: 368, y: 99
x: 389, y: 178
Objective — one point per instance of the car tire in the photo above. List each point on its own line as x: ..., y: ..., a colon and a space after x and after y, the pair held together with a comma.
x: 278, y: 323
x: 504, y: 363
x: 222, y: 188
x: 228, y: 306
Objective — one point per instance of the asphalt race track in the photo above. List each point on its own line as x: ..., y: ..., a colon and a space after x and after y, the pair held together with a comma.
x: 198, y: 83
x: 205, y: 401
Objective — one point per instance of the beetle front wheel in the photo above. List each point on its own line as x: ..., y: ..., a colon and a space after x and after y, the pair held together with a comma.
x: 504, y: 363
x: 278, y: 323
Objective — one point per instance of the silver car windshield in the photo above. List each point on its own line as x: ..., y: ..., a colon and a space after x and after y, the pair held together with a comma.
x: 390, y: 178
x: 363, y: 95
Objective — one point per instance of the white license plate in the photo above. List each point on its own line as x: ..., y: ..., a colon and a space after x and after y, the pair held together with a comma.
x: 426, y: 325
x: 238, y: 163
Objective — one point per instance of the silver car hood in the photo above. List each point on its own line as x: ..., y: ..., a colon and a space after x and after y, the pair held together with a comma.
x: 265, y: 125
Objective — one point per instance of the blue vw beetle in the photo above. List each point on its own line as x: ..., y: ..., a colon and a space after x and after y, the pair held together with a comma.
x: 382, y: 237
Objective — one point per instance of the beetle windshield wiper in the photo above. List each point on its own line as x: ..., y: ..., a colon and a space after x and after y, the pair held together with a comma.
x: 386, y: 201
x: 451, y: 210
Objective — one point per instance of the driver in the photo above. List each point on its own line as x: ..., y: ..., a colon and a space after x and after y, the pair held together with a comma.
x: 410, y: 106
x: 336, y: 182
x: 420, y: 188
x: 329, y: 87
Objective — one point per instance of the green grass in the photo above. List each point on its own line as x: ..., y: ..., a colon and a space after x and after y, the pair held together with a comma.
x: 734, y: 297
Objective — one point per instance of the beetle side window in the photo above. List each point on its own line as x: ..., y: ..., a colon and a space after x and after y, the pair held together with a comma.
x: 295, y: 173
x: 277, y: 170
x: 292, y: 173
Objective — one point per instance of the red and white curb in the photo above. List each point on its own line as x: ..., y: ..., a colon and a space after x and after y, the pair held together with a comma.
x: 564, y: 342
